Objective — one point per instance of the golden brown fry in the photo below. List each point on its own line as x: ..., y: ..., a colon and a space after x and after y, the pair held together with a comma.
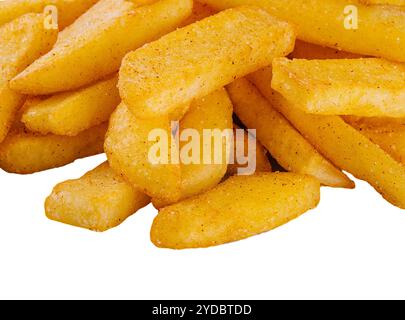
x: 211, y: 112
x: 70, y: 113
x: 379, y: 33
x: 283, y: 141
x: 93, y: 47
x: 390, y: 137
x: 346, y: 147
x: 362, y: 87
x: 374, y: 122
x: 24, y: 152
x: 262, y: 161
x: 166, y: 75
x: 241, y: 207
x: 21, y: 42
x: 68, y: 10
x: 100, y: 200
x: 129, y: 145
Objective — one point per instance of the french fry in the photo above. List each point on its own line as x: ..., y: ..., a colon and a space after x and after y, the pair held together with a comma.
x: 206, y: 56
x: 264, y: 202
x: 22, y: 41
x: 70, y: 113
x: 128, y: 146
x: 212, y: 112
x: 23, y: 152
x: 87, y: 54
x: 328, y: 23
x: 346, y: 147
x: 284, y: 142
x: 262, y: 161
x: 310, y: 51
x: 362, y: 87
x: 390, y: 138
x: 67, y: 10
x: 100, y: 200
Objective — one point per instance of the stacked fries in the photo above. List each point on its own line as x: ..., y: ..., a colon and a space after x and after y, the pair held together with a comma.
x: 321, y: 82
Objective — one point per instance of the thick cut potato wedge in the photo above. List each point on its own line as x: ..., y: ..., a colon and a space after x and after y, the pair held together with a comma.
x: 95, y: 44
x: 70, y: 113
x: 168, y: 74
x: 390, y: 137
x: 381, y: 29
x: 262, y: 161
x: 291, y: 150
x: 212, y: 112
x: 24, y: 152
x: 68, y: 10
x: 241, y: 207
x: 100, y: 200
x: 128, y: 146
x: 362, y: 87
x: 21, y: 42
x: 346, y: 147
x: 305, y: 50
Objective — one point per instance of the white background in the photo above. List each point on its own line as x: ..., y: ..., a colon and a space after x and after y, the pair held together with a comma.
x: 351, y: 246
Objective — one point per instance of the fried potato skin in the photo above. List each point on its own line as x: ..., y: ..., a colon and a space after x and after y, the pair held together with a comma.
x: 262, y: 161
x: 68, y: 10
x: 23, y: 40
x: 238, y: 41
x: 383, y: 2
x: 23, y: 152
x: 127, y: 147
x: 70, y: 113
x: 89, y: 54
x: 363, y: 87
x: 322, y: 22
x: 100, y: 200
x: 346, y: 147
x: 284, y: 142
x: 264, y: 201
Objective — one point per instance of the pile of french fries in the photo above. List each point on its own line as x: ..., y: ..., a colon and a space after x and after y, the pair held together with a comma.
x: 323, y: 98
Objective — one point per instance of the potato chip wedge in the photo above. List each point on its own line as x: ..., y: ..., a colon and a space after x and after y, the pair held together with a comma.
x: 285, y: 143
x: 24, y: 152
x: 390, y: 138
x: 21, y: 42
x: 86, y: 54
x: 130, y: 147
x: 363, y: 87
x: 241, y: 207
x: 67, y: 10
x: 168, y: 74
x: 331, y: 23
x: 100, y: 200
x: 201, y: 168
x: 310, y: 51
x: 70, y: 113
x: 346, y: 147
x: 261, y: 160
